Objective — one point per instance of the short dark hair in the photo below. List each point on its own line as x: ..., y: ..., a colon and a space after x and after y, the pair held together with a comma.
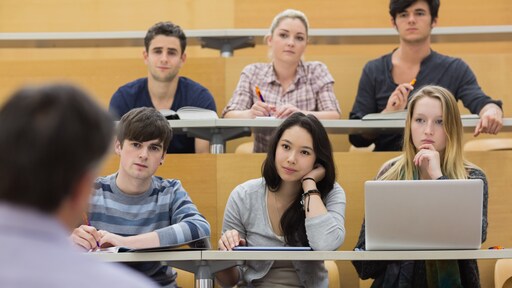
x: 50, y: 137
x: 166, y: 29
x: 292, y: 222
x: 399, y: 6
x: 144, y: 124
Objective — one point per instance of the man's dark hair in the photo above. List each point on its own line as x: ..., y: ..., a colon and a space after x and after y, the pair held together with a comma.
x: 166, y: 29
x: 50, y: 137
x: 399, y: 6
x: 144, y: 124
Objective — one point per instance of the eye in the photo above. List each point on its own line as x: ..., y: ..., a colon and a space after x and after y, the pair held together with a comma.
x: 154, y: 148
x: 283, y: 35
x: 305, y: 152
x: 420, y: 13
x: 300, y: 38
x: 403, y: 15
x: 439, y: 122
x: 285, y: 146
x: 136, y: 144
x: 419, y: 120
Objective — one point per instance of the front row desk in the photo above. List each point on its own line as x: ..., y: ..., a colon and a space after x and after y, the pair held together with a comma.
x: 218, y: 131
x: 210, y: 178
x: 206, y: 262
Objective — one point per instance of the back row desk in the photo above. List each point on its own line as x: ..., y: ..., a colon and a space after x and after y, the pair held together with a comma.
x: 207, y: 262
x: 218, y: 131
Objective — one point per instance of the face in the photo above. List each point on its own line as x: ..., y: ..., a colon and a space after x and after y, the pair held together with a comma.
x: 427, y: 124
x: 295, y: 156
x: 139, y: 160
x: 288, y: 42
x: 415, y: 23
x: 164, y: 58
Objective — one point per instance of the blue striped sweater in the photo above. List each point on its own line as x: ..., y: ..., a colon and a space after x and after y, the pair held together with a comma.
x: 165, y: 208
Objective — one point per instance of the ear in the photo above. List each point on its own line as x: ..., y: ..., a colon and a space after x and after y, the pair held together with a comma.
x: 434, y: 23
x: 393, y: 23
x: 145, y: 56
x: 163, y: 158
x: 183, y: 57
x: 117, y: 147
x: 268, y: 38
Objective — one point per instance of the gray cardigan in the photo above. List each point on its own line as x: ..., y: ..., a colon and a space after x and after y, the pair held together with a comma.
x: 246, y: 212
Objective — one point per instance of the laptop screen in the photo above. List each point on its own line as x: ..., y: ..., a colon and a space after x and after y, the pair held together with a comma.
x: 423, y: 214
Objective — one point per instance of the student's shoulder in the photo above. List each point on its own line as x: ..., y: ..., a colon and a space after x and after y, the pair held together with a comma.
x: 104, y: 182
x: 256, y: 68
x: 134, y: 85
x: 379, y: 61
x: 250, y: 188
x: 445, y: 60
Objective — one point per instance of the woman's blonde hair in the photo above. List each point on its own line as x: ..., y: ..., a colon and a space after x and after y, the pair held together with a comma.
x: 453, y: 164
x: 288, y: 13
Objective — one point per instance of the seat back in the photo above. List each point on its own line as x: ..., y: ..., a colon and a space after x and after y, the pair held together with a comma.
x: 245, y: 148
x: 502, y: 273
x: 334, y: 275
x: 491, y: 144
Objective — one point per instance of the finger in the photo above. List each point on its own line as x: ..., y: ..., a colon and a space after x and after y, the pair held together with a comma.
x: 478, y: 128
x: 221, y: 245
x: 243, y: 242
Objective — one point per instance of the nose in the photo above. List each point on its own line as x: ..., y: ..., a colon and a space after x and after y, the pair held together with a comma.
x: 291, y: 41
x: 163, y: 58
x: 429, y: 128
x: 291, y: 158
x: 143, y: 153
x: 411, y: 18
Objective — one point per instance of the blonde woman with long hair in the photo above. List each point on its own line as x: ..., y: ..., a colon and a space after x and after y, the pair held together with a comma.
x: 432, y: 150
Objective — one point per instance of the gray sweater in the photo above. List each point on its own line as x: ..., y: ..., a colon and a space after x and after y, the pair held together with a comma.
x: 246, y: 212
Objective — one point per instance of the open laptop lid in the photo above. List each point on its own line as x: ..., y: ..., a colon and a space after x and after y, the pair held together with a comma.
x: 423, y: 214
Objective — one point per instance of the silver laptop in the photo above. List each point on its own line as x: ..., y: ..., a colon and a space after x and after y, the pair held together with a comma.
x: 423, y: 214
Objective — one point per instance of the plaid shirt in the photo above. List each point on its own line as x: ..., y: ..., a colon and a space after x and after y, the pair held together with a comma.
x: 312, y: 90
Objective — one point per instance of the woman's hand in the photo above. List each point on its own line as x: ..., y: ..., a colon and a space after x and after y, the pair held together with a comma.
x: 428, y: 159
x: 230, y: 239
x: 262, y: 109
x: 285, y: 110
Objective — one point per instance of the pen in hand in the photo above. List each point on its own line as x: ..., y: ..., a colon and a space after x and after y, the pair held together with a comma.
x: 86, y: 221
x: 412, y: 83
x: 258, y: 92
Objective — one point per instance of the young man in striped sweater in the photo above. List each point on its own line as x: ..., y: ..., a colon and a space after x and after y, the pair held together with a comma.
x: 136, y: 209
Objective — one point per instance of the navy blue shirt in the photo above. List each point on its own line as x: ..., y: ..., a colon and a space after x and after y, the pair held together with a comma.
x: 376, y: 85
x: 188, y: 93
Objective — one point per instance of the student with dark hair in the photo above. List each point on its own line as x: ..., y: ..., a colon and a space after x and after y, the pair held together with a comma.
x: 296, y: 203
x: 53, y: 140
x: 387, y: 82
x: 164, y: 88
x: 134, y: 208
x: 432, y: 151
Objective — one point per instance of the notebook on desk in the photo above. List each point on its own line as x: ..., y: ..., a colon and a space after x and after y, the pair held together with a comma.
x: 423, y: 214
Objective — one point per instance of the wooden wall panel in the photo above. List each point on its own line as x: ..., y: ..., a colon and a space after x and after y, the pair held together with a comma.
x: 373, y: 13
